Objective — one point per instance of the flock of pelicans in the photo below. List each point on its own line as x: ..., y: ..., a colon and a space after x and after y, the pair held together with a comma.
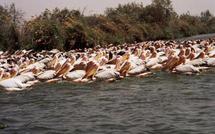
x: 23, y: 68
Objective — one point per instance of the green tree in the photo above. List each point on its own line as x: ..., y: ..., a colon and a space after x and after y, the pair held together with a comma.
x: 10, y: 24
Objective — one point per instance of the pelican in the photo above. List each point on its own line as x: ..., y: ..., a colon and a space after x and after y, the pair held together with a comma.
x: 19, y: 82
x: 198, y: 61
x: 76, y: 74
x: 90, y: 72
x: 108, y: 72
x: 210, y: 62
x: 187, y: 69
x: 24, y: 68
x: 59, y: 71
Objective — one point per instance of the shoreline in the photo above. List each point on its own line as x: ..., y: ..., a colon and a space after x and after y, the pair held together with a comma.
x: 197, y: 37
x: 24, y: 69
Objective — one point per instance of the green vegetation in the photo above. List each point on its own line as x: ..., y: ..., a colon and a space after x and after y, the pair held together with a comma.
x: 69, y: 29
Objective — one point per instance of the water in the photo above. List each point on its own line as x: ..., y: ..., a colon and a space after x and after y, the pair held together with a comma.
x: 161, y: 104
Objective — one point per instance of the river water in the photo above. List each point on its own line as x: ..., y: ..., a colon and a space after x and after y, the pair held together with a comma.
x: 160, y: 104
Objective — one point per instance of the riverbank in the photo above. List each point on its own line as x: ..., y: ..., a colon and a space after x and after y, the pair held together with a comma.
x: 24, y: 69
x: 198, y: 37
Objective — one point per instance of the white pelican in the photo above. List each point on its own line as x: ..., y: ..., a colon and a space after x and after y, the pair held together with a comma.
x: 210, y: 62
x: 90, y: 72
x: 57, y: 72
x: 19, y: 82
x: 199, y: 61
x: 186, y: 69
x: 76, y: 74
x: 108, y: 72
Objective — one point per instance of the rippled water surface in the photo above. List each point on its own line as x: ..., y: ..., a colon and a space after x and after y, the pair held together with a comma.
x: 161, y: 104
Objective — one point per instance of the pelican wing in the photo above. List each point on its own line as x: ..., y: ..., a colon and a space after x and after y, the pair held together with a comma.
x: 25, y: 77
x: 152, y: 62
x: 196, y: 62
x: 77, y: 74
x: 11, y: 83
x: 211, y: 62
x: 47, y: 75
x: 186, y: 68
x: 107, y: 74
x: 137, y: 70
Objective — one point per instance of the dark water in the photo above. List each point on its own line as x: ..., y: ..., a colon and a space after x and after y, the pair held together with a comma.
x: 160, y: 104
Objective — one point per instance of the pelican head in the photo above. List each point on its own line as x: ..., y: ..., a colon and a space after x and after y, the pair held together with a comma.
x: 152, y: 49
x: 103, y: 61
x: 31, y: 61
x: 126, y: 56
x: 98, y: 56
x: 6, y: 75
x: 35, y: 70
x: 13, y: 72
x: 84, y: 58
x: 147, y: 53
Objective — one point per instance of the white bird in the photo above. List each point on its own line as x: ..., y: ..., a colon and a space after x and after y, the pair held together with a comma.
x: 186, y: 69
x: 49, y: 74
x: 210, y: 62
x: 77, y: 74
x: 137, y: 70
x: 107, y: 74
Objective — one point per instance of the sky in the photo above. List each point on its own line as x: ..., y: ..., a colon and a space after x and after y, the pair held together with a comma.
x: 35, y: 7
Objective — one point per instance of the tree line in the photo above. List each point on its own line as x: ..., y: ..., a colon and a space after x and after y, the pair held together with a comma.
x: 67, y: 29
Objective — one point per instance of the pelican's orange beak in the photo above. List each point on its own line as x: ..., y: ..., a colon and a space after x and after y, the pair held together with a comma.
x: 182, y: 52
x: 91, y: 70
x: 117, y: 64
x: 187, y: 51
x: 143, y: 56
x: 154, y: 55
x: 170, y: 64
x: 72, y: 60
x: 201, y: 55
x: 191, y: 56
x: 64, y: 70
x: 125, y: 68
x: 182, y: 60
x: 174, y: 63
x: 57, y: 67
